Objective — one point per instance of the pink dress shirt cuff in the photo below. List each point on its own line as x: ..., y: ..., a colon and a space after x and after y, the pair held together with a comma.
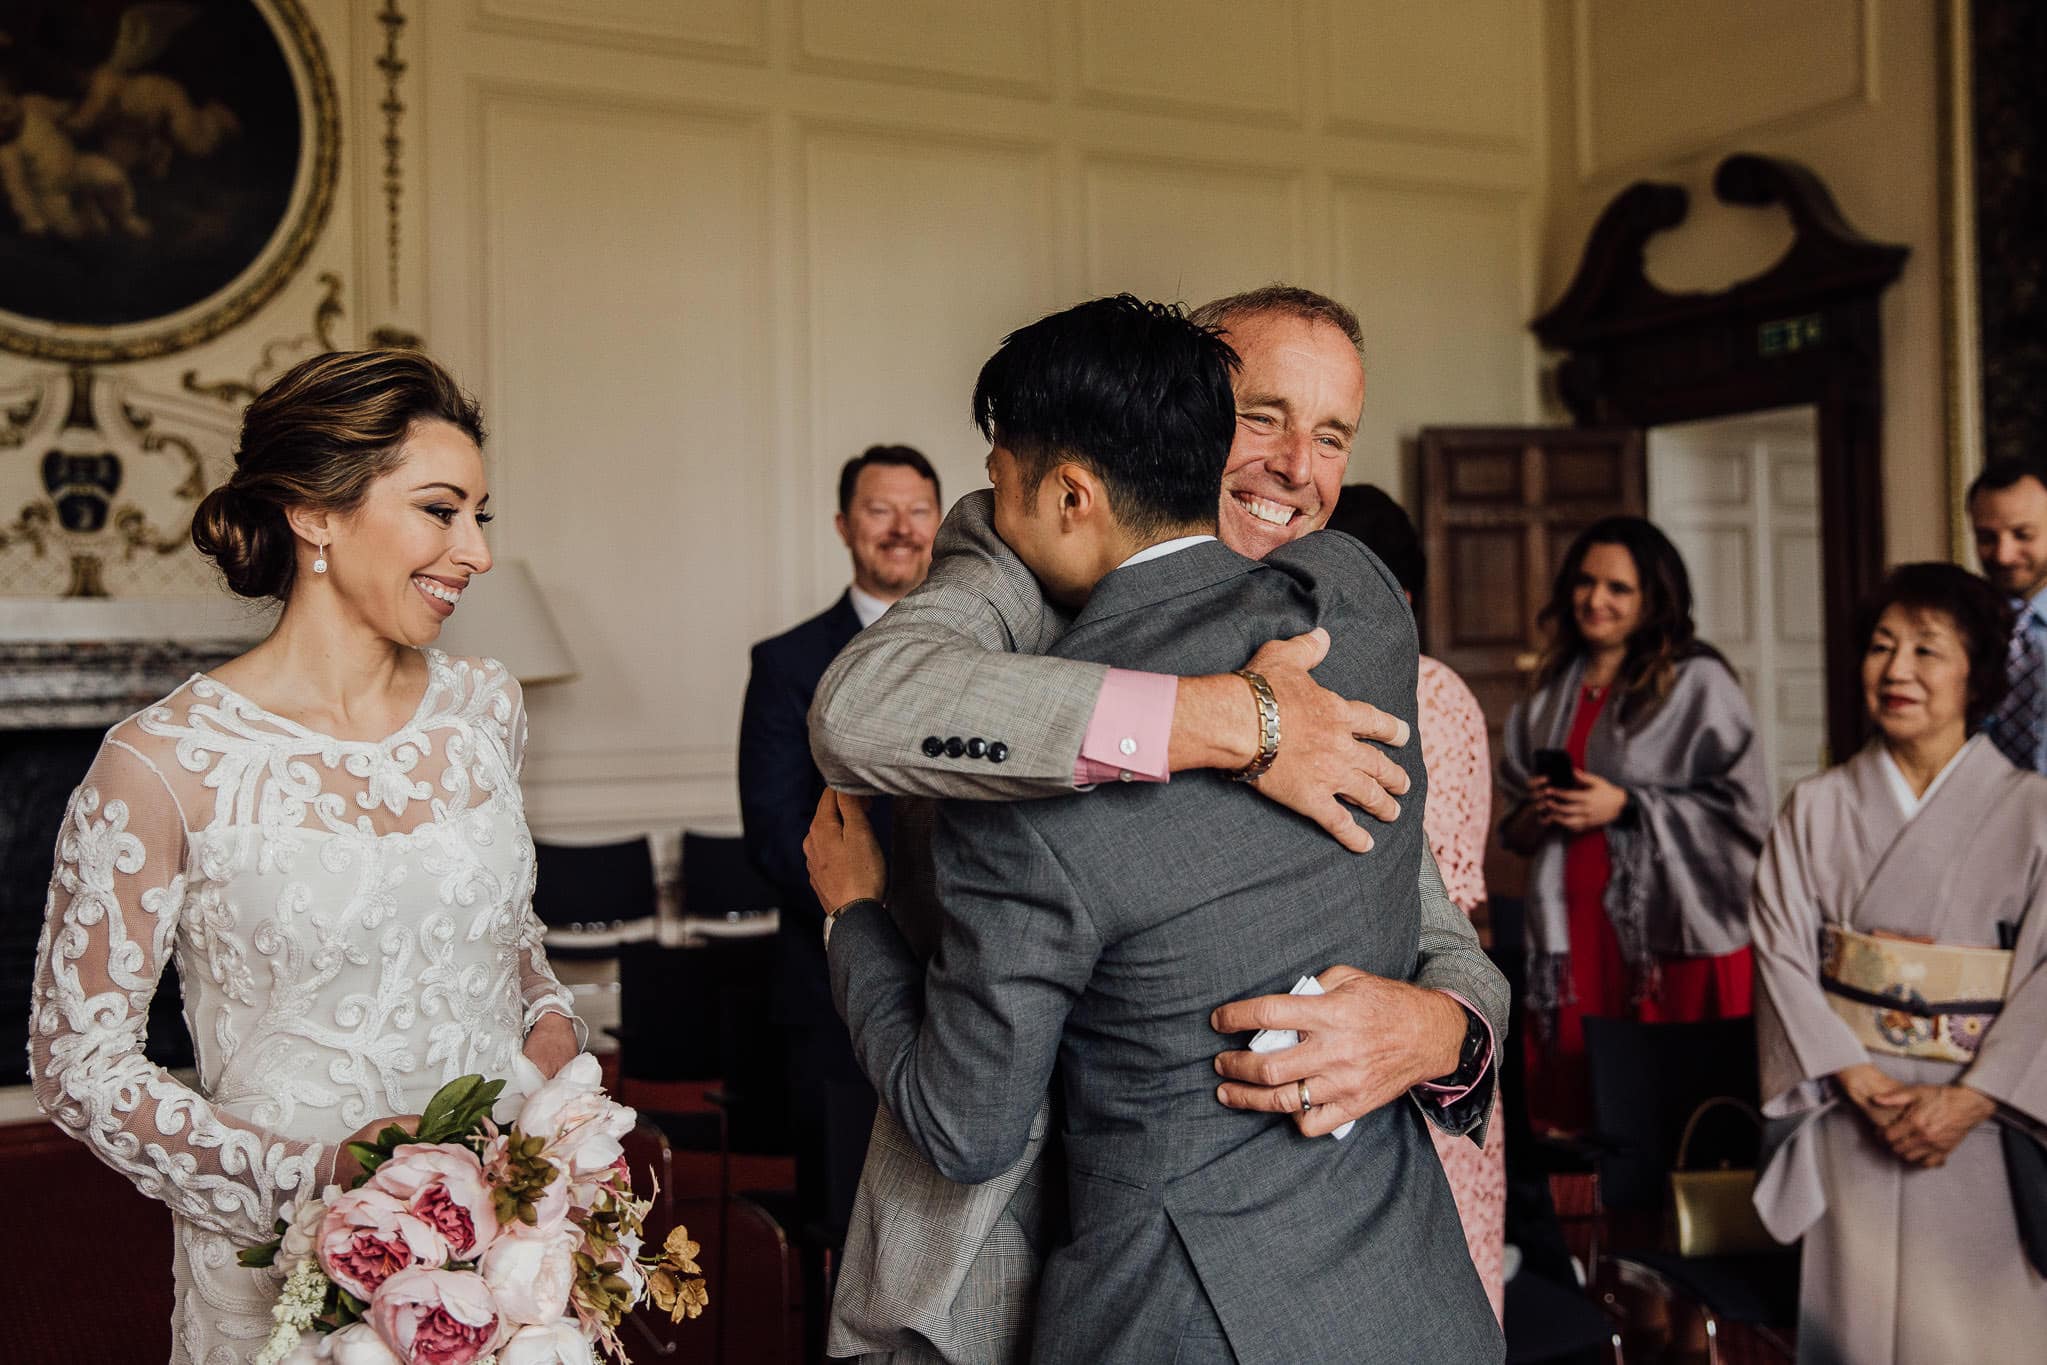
x: 1447, y: 1095
x: 1128, y: 734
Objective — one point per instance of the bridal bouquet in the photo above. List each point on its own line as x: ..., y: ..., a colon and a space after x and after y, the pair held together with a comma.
x: 465, y: 1243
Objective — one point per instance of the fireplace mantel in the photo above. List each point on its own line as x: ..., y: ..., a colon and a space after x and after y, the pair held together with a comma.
x: 80, y: 663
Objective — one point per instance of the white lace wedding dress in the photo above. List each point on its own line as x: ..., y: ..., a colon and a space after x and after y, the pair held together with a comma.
x: 352, y: 925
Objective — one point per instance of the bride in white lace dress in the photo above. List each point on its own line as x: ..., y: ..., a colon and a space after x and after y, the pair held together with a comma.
x: 325, y: 836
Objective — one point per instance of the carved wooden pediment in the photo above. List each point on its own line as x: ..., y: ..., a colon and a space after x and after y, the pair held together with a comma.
x: 1629, y: 336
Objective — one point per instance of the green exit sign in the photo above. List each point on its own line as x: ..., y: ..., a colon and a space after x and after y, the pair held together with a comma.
x: 1788, y: 336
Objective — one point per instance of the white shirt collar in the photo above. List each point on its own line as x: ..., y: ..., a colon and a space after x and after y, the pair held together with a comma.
x: 866, y: 606
x: 1908, y: 804
x: 1162, y: 549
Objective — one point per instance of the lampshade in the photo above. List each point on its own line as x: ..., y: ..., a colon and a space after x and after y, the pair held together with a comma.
x: 502, y: 616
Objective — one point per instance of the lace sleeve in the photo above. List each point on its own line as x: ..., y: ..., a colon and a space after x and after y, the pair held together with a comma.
x: 110, y: 923
x: 540, y: 990
x: 1459, y: 810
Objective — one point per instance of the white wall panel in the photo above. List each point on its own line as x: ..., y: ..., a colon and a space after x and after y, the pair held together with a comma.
x: 1453, y: 352
x: 625, y: 285
x: 1665, y: 80
x: 972, y: 42
x: 1453, y: 72
x: 1213, y: 56
x: 920, y: 254
x: 697, y: 254
x: 735, y: 28
x: 1188, y: 230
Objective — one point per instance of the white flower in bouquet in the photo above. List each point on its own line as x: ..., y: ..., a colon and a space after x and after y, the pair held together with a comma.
x: 301, y: 1236
x: 367, y: 1236
x: 630, y: 1270
x: 554, y: 1343
x: 580, y: 1123
x: 437, y: 1317
x: 359, y: 1344
x: 310, y: 1349
x: 442, y: 1184
x: 531, y: 1273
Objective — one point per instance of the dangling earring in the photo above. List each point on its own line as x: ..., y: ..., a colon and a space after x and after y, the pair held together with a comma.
x: 320, y: 562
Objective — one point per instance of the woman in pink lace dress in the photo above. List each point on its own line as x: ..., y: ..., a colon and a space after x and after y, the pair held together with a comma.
x: 1454, y: 751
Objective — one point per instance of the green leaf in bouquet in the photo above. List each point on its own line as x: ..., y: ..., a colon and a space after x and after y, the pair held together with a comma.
x: 349, y: 1307
x: 458, y: 1108
x: 477, y: 1107
x: 367, y: 1157
x: 445, y: 1102
x: 259, y: 1258
x: 392, y: 1138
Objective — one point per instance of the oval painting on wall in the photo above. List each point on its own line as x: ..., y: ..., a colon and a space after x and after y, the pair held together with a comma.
x: 164, y: 169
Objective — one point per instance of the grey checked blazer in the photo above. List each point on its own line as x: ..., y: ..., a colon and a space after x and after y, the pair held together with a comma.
x: 1097, y: 932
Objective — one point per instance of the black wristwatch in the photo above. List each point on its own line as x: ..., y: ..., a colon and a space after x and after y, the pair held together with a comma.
x: 1471, y: 1054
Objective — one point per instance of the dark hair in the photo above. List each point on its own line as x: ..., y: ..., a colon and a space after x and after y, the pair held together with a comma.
x: 1369, y: 512
x: 1978, y: 612
x: 1285, y: 300
x: 908, y: 457
x: 1665, y: 636
x: 2001, y: 474
x: 1131, y: 390
x: 318, y: 437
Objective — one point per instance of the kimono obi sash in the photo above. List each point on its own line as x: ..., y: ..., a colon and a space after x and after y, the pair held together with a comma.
x: 1927, y: 1000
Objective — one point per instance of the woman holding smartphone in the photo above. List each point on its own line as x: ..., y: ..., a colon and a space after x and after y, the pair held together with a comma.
x: 1637, y: 790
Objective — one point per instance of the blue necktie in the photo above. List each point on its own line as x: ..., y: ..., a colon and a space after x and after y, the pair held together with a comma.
x: 2017, y: 731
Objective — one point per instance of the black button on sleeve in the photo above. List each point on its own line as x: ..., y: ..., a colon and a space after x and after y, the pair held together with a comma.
x: 977, y: 747
x: 997, y: 751
x: 955, y: 746
x: 933, y: 746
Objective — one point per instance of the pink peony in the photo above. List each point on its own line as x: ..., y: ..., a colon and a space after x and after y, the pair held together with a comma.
x: 556, y: 1343
x: 580, y: 1123
x: 442, y: 1184
x: 437, y: 1317
x: 531, y: 1273
x: 367, y: 1237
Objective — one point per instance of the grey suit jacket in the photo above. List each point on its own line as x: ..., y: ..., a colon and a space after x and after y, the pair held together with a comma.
x: 1098, y: 933
x: 955, y: 657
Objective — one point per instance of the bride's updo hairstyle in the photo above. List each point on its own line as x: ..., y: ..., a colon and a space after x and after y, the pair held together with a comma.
x: 318, y: 438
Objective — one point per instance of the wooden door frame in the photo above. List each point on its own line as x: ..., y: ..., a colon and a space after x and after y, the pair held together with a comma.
x: 1806, y: 332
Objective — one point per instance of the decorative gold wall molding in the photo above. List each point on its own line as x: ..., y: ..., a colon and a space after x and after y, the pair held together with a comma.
x: 393, y: 107
x: 326, y: 313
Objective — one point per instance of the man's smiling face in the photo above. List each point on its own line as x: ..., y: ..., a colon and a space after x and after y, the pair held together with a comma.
x: 1299, y: 397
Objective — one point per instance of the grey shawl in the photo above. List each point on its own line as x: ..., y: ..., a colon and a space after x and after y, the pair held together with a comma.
x: 1683, y: 853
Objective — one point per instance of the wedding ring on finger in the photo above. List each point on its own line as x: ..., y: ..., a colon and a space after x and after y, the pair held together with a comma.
x: 1301, y: 1086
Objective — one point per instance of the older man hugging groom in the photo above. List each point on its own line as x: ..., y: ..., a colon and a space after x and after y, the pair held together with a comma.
x: 1092, y: 936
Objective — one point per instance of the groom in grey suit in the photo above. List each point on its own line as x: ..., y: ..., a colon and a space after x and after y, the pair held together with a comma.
x: 1097, y: 934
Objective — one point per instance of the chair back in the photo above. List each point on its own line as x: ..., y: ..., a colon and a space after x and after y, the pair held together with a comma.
x: 1647, y: 1080
x: 593, y: 885
x: 718, y: 880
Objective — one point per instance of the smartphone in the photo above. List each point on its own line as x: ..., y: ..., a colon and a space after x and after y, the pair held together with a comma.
x: 1555, y: 766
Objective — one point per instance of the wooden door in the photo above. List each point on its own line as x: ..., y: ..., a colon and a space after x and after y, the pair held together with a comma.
x: 1499, y: 506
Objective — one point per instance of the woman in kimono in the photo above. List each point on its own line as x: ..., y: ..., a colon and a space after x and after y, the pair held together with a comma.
x: 1456, y: 820
x: 1639, y: 869
x: 1899, y: 944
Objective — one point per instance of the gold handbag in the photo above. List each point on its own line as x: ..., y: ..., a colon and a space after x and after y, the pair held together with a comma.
x: 1716, y: 1211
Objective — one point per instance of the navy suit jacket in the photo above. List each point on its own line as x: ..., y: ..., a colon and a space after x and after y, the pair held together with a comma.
x: 779, y: 785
